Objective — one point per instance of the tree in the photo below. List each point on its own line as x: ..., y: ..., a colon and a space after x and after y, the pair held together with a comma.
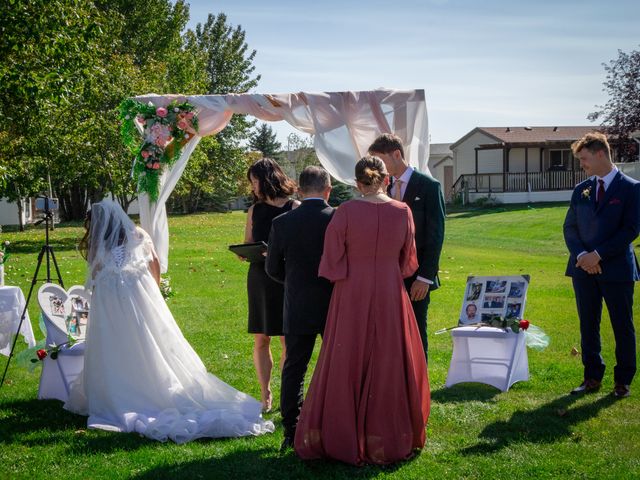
x: 300, y: 154
x: 620, y: 116
x: 264, y: 141
x: 65, y: 65
x: 219, y: 165
x: 341, y: 192
x: 49, y: 52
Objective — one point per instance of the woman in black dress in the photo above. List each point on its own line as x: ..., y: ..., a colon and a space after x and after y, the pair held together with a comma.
x: 271, y: 190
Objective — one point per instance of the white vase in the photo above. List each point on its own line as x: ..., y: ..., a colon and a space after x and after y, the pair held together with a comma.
x: 1, y: 274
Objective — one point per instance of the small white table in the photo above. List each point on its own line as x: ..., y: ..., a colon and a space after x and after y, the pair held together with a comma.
x: 488, y: 355
x: 11, y: 305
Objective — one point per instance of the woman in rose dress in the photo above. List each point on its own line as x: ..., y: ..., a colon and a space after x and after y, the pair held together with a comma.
x: 369, y: 399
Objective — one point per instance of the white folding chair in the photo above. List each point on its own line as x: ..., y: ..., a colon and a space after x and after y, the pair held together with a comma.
x: 58, y: 374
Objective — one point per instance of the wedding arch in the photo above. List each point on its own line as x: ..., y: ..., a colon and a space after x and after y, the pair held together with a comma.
x: 343, y: 125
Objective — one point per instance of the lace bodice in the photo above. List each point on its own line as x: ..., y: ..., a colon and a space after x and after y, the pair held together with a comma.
x: 126, y: 260
x: 118, y: 255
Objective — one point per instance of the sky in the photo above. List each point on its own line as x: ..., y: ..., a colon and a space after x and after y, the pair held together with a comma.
x: 482, y: 63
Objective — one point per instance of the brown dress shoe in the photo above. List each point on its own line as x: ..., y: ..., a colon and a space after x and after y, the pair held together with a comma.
x: 621, y: 391
x: 588, y: 386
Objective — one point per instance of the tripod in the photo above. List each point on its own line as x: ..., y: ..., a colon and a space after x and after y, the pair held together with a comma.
x: 51, y: 258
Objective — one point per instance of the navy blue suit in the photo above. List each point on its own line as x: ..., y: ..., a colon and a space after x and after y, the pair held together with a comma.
x: 609, y: 227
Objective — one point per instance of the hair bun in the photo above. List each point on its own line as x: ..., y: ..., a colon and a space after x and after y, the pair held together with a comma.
x: 370, y: 170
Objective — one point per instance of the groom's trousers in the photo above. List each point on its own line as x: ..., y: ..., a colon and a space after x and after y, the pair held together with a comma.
x: 299, y: 351
x: 618, y: 296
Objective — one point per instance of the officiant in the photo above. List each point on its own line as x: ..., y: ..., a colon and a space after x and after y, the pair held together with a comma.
x: 271, y: 191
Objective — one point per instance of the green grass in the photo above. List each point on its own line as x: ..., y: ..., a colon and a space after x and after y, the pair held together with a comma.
x: 535, y: 430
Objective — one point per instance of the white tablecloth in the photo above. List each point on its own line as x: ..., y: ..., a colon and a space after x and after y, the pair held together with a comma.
x: 11, y: 305
x: 488, y: 355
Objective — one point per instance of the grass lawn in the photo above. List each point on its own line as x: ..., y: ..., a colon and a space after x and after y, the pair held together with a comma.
x: 535, y: 430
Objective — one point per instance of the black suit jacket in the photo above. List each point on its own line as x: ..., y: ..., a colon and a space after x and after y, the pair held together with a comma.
x: 295, y: 247
x: 424, y: 197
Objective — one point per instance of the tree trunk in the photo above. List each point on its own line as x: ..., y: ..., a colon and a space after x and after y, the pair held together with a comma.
x: 20, y: 211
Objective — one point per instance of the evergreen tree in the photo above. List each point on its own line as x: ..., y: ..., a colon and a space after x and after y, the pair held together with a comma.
x: 264, y: 141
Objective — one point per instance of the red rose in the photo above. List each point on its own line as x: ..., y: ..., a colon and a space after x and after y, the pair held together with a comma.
x: 524, y: 324
x: 41, y: 354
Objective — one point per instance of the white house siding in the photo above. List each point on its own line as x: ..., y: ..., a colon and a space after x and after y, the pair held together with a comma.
x: 525, y: 197
x: 9, y: 213
x: 517, y: 160
x: 464, y: 156
x: 436, y: 167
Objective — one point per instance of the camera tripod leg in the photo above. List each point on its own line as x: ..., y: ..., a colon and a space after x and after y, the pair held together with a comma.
x: 45, y: 249
x: 55, y: 264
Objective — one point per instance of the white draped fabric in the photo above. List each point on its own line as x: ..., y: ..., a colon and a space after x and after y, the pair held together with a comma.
x: 343, y: 125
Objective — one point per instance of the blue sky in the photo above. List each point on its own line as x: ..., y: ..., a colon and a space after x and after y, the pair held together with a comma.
x: 482, y: 63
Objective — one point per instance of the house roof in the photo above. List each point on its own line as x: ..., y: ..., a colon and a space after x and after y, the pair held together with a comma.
x: 530, y: 134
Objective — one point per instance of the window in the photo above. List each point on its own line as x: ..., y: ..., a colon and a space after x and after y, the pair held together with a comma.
x: 559, y: 159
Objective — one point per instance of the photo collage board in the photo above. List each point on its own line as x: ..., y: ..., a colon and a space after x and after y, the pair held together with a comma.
x: 488, y: 297
x: 75, y: 312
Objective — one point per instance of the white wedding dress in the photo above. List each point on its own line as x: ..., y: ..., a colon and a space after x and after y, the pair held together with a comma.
x: 140, y: 374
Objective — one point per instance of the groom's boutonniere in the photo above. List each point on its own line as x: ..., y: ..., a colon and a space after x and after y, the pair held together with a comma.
x: 586, y: 193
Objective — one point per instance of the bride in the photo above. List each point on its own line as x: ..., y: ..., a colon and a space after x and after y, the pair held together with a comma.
x: 140, y: 373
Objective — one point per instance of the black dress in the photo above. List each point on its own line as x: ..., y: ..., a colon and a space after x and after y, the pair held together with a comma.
x: 266, y: 296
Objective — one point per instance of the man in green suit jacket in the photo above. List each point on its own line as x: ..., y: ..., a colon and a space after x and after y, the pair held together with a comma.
x: 423, y: 194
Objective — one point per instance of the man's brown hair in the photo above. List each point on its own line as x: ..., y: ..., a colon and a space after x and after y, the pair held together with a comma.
x: 386, y: 143
x: 594, y: 142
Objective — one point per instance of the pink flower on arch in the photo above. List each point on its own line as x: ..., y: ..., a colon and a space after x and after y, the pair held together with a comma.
x: 161, y: 112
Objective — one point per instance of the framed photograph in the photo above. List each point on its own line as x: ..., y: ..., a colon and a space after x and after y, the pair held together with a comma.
x: 56, y: 304
x: 474, y: 290
x: 470, y: 314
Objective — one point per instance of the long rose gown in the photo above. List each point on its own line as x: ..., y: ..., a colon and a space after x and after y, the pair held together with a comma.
x: 369, y: 398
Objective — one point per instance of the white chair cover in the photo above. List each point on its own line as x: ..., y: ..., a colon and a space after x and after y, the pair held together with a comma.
x: 488, y: 355
x: 57, y: 305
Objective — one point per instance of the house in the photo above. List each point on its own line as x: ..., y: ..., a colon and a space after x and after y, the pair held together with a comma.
x: 9, y: 212
x: 441, y: 167
x: 518, y: 164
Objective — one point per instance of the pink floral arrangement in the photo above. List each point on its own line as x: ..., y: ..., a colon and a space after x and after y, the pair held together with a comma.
x: 165, y: 130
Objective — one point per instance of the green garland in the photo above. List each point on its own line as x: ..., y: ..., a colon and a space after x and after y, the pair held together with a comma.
x: 165, y: 131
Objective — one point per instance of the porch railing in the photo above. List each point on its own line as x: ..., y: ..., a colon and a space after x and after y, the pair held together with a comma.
x: 519, y: 182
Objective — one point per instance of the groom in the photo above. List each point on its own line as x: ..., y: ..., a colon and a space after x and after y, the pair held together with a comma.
x: 602, y: 222
x: 423, y: 195
x: 295, y: 247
